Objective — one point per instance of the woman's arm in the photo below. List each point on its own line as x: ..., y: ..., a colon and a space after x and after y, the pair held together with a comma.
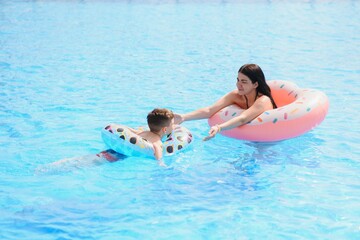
x: 261, y: 105
x: 207, y: 112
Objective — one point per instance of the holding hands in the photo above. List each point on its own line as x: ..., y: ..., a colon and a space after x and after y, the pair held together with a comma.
x: 178, y: 118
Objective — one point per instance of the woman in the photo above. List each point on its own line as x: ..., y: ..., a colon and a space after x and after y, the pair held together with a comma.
x: 252, y: 94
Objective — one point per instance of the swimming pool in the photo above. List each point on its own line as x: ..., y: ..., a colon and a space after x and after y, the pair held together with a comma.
x: 70, y: 67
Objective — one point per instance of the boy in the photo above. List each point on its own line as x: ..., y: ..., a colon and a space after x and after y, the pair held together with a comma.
x: 160, y: 122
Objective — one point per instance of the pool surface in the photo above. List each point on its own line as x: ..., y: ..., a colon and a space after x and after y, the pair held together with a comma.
x: 68, y: 68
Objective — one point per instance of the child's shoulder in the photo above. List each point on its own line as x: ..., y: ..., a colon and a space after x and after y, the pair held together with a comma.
x: 149, y: 136
x: 144, y: 134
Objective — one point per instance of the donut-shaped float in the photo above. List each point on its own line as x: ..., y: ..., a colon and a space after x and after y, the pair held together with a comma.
x: 299, y: 110
x: 122, y: 140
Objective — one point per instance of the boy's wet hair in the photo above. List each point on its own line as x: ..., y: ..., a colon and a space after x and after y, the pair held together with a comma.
x: 159, y: 118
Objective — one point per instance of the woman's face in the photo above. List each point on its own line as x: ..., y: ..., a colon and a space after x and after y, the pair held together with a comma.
x: 244, y: 84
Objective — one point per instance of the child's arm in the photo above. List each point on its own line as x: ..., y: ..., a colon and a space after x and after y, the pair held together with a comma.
x: 157, y: 150
x: 158, y: 153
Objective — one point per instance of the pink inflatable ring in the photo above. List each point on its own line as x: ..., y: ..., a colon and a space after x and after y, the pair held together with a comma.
x: 299, y: 111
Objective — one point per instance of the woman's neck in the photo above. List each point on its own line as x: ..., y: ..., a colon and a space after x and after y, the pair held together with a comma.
x: 251, y: 98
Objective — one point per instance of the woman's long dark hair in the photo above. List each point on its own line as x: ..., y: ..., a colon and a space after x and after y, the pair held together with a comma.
x: 255, y: 74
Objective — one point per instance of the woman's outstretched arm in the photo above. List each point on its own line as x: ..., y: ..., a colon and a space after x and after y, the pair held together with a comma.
x: 208, y: 111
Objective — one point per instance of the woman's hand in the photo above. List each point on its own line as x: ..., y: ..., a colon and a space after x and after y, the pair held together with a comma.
x: 178, y: 118
x: 213, y: 131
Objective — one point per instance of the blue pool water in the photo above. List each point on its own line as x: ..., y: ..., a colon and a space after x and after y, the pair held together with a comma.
x: 70, y: 67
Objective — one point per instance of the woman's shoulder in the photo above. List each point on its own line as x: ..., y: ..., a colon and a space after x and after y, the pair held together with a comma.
x: 263, y: 98
x: 264, y: 101
x: 233, y: 95
x: 233, y: 92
